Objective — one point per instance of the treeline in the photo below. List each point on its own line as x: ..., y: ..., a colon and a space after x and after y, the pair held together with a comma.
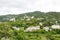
x: 36, y: 14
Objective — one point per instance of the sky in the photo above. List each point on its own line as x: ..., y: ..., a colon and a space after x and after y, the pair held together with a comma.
x: 22, y: 6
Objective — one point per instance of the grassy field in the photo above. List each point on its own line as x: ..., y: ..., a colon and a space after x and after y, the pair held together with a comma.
x: 39, y: 36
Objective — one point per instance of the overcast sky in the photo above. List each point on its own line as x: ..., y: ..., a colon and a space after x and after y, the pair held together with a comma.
x: 20, y: 6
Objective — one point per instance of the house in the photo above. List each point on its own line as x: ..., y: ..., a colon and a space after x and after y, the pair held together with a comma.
x: 55, y: 26
x: 32, y: 17
x: 46, y: 28
x: 5, y: 38
x: 52, y: 27
x: 40, y: 23
x: 32, y: 28
x: 12, y: 19
x: 28, y: 19
x: 16, y: 28
x: 26, y: 16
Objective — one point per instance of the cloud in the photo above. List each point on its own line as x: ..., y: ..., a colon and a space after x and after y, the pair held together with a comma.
x: 21, y: 6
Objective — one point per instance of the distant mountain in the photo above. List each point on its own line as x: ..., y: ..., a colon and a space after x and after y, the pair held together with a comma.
x: 36, y: 14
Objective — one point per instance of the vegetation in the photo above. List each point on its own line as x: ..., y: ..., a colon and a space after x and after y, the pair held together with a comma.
x: 15, y: 29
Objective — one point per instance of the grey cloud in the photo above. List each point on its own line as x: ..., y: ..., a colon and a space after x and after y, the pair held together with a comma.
x: 12, y: 3
x: 18, y: 6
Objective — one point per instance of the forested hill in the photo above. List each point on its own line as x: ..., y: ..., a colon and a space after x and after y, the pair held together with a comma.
x: 4, y: 18
x: 36, y: 14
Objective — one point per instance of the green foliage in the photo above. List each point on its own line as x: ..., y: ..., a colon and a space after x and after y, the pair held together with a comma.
x: 50, y: 18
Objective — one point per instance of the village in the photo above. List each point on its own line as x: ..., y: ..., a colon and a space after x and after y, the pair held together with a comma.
x: 30, y: 27
x: 37, y: 27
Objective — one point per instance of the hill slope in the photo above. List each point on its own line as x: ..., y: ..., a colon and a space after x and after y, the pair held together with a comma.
x: 36, y: 14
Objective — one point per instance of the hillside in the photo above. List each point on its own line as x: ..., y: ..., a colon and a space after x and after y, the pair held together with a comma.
x: 36, y: 14
x: 34, y: 26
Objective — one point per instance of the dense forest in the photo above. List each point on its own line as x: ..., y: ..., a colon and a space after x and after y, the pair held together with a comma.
x: 30, y: 26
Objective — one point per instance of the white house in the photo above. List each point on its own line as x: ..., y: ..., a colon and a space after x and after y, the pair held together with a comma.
x: 16, y: 28
x: 28, y: 19
x: 12, y: 19
x: 32, y: 17
x: 5, y: 38
x: 40, y: 23
x: 46, y: 28
x: 26, y: 16
x: 55, y: 26
x: 32, y: 28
